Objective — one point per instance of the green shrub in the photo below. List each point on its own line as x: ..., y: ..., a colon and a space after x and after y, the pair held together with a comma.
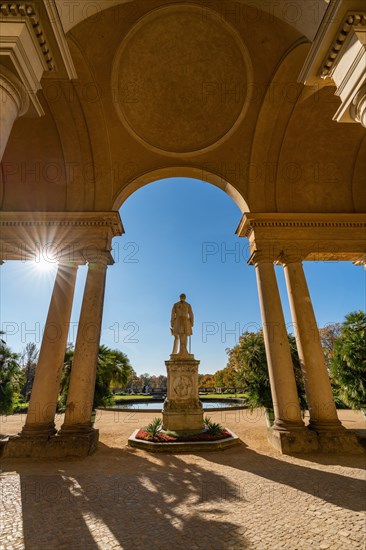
x: 154, y: 428
x: 213, y: 428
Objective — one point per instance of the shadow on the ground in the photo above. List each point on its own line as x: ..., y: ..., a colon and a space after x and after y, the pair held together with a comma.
x: 341, y: 490
x: 139, y: 500
x: 155, y: 503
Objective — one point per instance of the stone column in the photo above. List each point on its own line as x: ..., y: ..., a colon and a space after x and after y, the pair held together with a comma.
x: 14, y: 102
x: 323, y: 414
x: 42, y: 405
x: 83, y: 373
x: 282, y: 378
x: 288, y: 434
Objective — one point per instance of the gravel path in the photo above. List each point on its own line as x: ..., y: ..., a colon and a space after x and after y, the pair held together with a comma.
x: 245, y: 497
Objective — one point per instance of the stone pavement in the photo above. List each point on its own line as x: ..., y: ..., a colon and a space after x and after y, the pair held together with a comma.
x: 246, y: 497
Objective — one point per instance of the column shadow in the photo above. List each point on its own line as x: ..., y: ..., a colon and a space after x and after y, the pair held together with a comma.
x: 341, y: 490
x: 162, y: 503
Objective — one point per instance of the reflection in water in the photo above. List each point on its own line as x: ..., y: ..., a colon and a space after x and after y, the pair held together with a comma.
x: 155, y: 405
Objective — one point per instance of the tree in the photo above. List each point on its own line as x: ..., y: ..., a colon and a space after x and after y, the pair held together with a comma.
x: 252, y: 375
x: 252, y: 369
x: 11, y: 378
x: 226, y: 378
x: 328, y: 336
x: 113, y: 367
x: 28, y: 361
x: 348, y: 364
x: 207, y: 381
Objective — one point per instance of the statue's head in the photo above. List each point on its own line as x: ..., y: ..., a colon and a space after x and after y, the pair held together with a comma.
x: 182, y: 297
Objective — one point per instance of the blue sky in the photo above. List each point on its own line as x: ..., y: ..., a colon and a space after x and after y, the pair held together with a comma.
x: 180, y: 237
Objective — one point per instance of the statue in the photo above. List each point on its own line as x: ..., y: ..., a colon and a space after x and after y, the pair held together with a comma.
x: 182, y: 321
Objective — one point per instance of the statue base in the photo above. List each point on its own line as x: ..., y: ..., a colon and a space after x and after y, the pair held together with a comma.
x: 182, y: 411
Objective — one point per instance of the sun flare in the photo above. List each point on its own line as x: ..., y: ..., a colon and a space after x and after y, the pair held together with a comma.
x: 45, y: 266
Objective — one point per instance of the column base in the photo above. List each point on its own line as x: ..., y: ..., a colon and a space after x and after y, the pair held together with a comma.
x: 68, y: 430
x: 57, y: 446
x: 324, y: 426
x: 44, y: 430
x: 305, y: 440
x: 339, y: 441
x: 293, y: 441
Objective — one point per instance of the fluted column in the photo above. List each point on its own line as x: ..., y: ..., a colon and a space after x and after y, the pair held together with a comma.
x: 281, y: 373
x: 42, y: 405
x: 14, y: 102
x: 83, y: 373
x: 323, y: 413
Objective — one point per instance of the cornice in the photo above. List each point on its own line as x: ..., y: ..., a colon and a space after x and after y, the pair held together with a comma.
x: 253, y: 221
x: 339, y: 19
x: 111, y: 220
x: 352, y: 19
x: 27, y: 10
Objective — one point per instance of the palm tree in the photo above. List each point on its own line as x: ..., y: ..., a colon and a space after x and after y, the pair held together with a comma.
x: 65, y: 377
x: 348, y: 364
x: 11, y: 378
x: 253, y: 372
x: 113, y: 367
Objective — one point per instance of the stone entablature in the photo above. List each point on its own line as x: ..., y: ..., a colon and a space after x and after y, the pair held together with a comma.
x: 352, y: 20
x: 72, y: 236
x: 313, y: 237
x: 44, y: 21
x: 32, y: 46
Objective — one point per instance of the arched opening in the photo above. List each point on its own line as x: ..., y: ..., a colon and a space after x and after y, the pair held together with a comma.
x: 181, y: 172
x: 179, y: 237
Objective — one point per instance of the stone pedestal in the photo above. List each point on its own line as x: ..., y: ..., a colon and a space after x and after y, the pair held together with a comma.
x: 297, y: 440
x: 182, y: 411
x: 58, y: 447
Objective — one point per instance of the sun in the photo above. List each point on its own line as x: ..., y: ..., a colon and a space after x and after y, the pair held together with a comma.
x: 45, y: 266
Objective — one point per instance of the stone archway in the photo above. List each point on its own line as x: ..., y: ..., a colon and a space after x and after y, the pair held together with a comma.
x: 82, y: 141
x: 184, y: 172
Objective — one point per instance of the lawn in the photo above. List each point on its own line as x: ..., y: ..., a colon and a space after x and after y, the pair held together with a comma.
x: 222, y: 395
x: 131, y: 396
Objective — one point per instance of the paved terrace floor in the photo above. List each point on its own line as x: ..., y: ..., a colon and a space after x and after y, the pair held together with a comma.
x: 245, y: 497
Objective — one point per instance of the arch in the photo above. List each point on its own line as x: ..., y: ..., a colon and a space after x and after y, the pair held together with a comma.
x: 276, y: 111
x: 179, y: 172
x: 302, y: 15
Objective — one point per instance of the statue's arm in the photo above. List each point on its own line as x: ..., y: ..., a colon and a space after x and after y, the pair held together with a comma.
x: 172, y: 319
x: 191, y: 315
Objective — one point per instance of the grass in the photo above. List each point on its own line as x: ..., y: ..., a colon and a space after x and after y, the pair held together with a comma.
x: 129, y: 397
x: 202, y: 396
x: 222, y: 395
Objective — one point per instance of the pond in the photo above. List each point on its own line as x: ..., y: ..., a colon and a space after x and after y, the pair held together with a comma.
x: 158, y: 405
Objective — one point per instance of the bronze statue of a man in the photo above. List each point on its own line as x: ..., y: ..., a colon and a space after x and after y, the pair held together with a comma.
x: 181, y: 323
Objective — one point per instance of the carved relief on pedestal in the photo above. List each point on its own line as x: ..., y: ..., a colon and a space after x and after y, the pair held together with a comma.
x: 183, y: 387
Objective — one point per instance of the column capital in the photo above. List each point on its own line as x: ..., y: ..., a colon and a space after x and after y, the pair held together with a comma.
x: 286, y: 259
x: 99, y: 258
x: 65, y: 263
x: 358, y: 107
x: 260, y: 257
x: 14, y: 88
x: 33, y: 44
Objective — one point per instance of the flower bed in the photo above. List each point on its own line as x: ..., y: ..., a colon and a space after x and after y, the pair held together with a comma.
x: 163, y: 437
